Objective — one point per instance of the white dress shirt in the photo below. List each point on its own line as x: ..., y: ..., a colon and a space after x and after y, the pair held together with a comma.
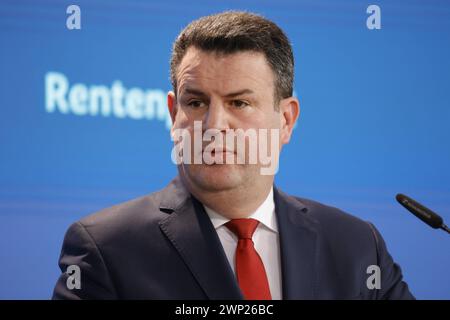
x: 265, y: 238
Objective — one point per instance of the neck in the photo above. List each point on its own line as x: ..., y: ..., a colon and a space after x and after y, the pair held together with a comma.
x: 233, y: 203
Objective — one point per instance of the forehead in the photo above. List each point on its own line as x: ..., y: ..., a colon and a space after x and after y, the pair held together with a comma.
x: 217, y: 71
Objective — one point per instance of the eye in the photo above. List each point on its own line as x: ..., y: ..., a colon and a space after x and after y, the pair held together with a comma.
x: 239, y: 104
x: 195, y: 104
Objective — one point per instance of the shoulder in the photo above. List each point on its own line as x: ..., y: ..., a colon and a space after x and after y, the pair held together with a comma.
x: 338, y: 226
x: 330, y: 216
x: 124, y: 221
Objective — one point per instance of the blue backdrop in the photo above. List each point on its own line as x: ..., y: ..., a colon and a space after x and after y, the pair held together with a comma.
x: 375, y: 111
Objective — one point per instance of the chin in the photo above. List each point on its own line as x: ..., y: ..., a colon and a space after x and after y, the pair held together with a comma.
x: 216, y: 177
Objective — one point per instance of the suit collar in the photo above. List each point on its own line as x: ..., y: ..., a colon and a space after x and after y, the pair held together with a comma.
x: 173, y: 195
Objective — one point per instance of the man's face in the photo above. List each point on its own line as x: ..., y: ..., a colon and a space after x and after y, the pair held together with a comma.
x: 224, y: 92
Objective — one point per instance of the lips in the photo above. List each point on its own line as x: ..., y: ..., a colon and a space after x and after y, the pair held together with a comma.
x: 219, y: 149
x: 214, y: 151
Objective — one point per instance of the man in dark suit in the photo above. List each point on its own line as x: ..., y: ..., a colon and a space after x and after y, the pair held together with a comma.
x: 221, y: 229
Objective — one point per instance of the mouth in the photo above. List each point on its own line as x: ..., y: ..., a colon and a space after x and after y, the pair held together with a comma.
x: 215, y: 151
x: 220, y: 156
x: 219, y: 150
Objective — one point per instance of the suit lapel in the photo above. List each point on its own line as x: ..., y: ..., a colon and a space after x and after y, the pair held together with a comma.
x: 298, y: 247
x: 192, y: 234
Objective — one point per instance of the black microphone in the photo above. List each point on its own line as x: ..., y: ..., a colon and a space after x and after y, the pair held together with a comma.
x: 423, y: 213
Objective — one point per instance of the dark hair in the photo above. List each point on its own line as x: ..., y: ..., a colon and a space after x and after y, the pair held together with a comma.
x: 233, y: 31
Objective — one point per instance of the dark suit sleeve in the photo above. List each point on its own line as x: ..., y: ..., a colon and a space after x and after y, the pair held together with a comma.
x: 80, y: 249
x: 392, y: 285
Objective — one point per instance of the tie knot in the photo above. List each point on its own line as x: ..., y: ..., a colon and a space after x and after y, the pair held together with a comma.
x: 243, y: 228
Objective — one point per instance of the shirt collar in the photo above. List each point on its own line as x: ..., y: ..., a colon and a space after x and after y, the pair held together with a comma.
x: 265, y: 214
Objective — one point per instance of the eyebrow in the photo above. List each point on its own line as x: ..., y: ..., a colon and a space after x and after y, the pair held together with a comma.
x: 238, y: 93
x: 228, y: 95
x: 195, y: 92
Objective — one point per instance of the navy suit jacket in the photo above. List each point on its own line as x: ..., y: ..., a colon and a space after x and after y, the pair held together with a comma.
x: 164, y: 246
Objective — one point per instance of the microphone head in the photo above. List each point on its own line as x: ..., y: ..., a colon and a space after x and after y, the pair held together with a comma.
x: 423, y: 213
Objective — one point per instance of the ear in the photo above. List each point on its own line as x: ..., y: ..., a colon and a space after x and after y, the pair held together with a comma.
x: 289, y: 113
x: 172, y: 106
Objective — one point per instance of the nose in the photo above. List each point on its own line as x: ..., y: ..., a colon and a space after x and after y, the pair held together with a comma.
x: 216, y: 117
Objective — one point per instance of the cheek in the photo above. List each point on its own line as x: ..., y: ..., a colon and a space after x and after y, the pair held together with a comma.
x: 255, y: 120
x: 182, y: 120
x: 268, y: 120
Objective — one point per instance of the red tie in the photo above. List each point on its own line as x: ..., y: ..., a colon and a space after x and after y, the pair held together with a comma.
x: 250, y: 271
